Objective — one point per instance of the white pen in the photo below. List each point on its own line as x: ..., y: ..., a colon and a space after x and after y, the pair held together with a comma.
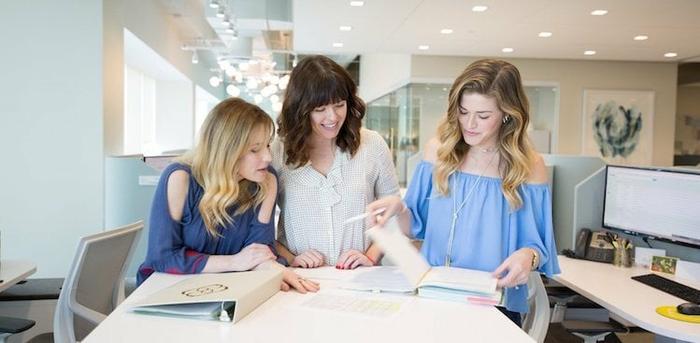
x: 363, y: 216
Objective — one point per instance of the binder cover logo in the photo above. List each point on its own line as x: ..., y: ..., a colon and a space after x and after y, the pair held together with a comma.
x: 204, y: 290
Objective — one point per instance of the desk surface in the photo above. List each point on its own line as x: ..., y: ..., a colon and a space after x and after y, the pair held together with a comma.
x: 612, y: 288
x: 14, y: 271
x: 283, y: 318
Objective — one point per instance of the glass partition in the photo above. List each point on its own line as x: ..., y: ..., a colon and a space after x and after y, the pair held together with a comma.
x: 408, y: 117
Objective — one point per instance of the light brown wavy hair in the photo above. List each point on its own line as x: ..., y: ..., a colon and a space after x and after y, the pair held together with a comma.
x: 499, y: 80
x: 318, y: 81
x: 224, y: 138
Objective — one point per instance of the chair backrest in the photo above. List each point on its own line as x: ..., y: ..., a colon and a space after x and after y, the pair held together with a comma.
x: 536, y: 321
x: 94, y: 285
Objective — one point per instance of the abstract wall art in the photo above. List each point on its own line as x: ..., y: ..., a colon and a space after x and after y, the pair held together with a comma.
x: 617, y: 126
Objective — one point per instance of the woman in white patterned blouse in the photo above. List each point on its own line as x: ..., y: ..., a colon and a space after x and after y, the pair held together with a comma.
x: 329, y: 167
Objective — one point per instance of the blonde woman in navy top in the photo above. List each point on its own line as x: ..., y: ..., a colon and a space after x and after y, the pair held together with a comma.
x: 212, y: 210
x: 479, y: 199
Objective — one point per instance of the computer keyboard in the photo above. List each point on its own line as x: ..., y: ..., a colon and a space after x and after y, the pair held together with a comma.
x: 669, y: 286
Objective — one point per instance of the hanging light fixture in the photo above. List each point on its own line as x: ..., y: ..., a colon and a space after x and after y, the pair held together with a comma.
x: 215, y: 81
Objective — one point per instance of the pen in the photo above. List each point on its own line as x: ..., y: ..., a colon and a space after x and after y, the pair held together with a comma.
x: 363, y: 216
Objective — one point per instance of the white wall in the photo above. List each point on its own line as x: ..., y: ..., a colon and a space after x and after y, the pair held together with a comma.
x: 51, y: 138
x: 573, y: 77
x: 382, y: 73
x: 174, y: 115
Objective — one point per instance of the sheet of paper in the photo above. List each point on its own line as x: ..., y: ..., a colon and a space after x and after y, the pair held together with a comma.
x: 387, y: 279
x: 325, y: 273
x: 353, y: 304
x: 399, y: 250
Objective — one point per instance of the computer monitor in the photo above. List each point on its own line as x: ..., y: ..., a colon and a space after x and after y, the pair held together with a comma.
x: 660, y: 203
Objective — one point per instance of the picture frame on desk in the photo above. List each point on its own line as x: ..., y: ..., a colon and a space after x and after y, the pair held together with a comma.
x: 618, y: 125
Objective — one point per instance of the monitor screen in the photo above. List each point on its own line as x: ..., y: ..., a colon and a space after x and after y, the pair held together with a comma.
x: 659, y: 203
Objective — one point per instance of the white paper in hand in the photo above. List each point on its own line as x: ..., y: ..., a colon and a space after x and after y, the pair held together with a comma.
x: 399, y: 250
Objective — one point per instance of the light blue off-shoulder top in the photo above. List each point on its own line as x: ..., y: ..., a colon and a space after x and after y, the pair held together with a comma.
x: 487, y: 229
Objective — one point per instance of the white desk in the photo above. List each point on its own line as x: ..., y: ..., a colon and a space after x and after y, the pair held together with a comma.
x: 14, y: 271
x: 612, y: 288
x: 283, y: 319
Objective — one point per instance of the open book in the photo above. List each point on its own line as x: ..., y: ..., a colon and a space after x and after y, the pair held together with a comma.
x: 413, y: 273
x: 224, y: 297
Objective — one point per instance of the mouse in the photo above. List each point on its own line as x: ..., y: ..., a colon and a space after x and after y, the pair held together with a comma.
x: 689, y: 309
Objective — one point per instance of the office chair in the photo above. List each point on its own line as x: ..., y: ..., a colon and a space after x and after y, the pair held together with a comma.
x: 10, y: 326
x: 95, y: 283
x: 536, y: 321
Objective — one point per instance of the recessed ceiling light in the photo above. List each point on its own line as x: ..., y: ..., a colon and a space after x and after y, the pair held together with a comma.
x: 345, y: 28
x: 589, y: 52
x: 337, y: 45
x: 357, y: 3
x: 507, y: 50
x: 479, y: 8
x: 446, y: 31
x: 599, y: 12
x: 670, y: 54
x: 423, y: 47
x: 545, y: 34
x: 641, y: 37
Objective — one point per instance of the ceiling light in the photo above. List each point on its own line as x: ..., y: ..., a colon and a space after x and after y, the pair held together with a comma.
x: 226, y: 21
x: 446, y: 31
x: 357, y: 3
x: 337, y: 45
x: 670, y: 54
x: 599, y: 12
x: 230, y: 30
x: 345, y: 28
x: 507, y: 50
x: 233, y: 91
x: 214, y: 4
x: 479, y: 8
x: 545, y: 34
x: 195, y: 57
x: 214, y: 81
x: 220, y: 13
x: 641, y: 37
x: 589, y: 52
x: 423, y: 47
x: 251, y: 83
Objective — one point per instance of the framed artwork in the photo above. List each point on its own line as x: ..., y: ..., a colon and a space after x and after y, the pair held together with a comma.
x: 618, y: 126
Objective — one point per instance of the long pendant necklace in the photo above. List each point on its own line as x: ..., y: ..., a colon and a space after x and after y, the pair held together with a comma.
x: 456, y: 210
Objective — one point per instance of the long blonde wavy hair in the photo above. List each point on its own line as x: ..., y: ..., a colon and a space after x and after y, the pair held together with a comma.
x: 500, y: 80
x: 224, y: 139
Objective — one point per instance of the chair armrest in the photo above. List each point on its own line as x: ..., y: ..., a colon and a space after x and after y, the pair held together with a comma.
x: 92, y: 316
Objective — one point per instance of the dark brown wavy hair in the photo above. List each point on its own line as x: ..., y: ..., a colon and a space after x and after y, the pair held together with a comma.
x: 318, y: 81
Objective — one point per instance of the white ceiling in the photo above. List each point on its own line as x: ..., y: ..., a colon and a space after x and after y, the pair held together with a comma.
x: 399, y: 26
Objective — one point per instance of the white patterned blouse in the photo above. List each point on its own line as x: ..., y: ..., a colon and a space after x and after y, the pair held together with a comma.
x: 314, y: 206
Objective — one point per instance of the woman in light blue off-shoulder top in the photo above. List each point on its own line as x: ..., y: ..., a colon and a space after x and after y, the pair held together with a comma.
x: 480, y: 198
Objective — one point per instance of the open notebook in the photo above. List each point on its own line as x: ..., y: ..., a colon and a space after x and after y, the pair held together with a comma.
x: 224, y: 297
x: 413, y: 273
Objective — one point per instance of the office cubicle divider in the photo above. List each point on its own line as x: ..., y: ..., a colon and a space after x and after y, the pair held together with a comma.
x: 569, y: 170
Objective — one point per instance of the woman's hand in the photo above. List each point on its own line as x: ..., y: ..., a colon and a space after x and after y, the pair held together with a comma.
x: 290, y: 280
x: 352, y: 259
x: 392, y: 205
x: 518, y: 266
x: 250, y: 257
x: 308, y: 259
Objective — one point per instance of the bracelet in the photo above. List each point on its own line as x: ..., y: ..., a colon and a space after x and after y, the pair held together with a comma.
x: 535, y: 259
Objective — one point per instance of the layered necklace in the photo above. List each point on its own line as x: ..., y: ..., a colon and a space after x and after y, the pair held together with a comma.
x: 456, y: 209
